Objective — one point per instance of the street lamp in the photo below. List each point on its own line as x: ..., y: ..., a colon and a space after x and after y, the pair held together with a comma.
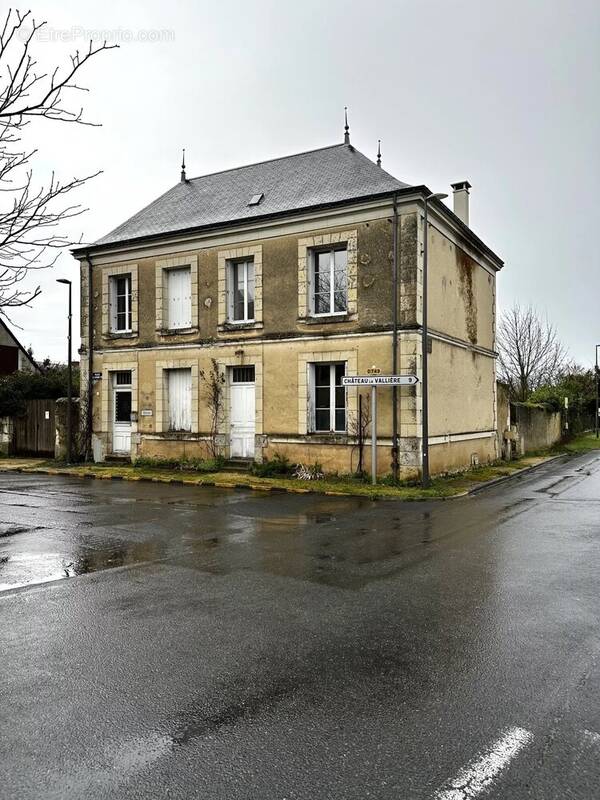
x: 424, y: 349
x: 69, y: 376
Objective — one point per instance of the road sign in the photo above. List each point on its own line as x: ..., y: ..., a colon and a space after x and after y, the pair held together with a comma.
x: 379, y: 380
x: 96, y: 376
x: 374, y: 380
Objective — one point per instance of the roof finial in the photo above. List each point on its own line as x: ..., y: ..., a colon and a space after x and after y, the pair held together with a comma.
x: 183, y: 178
x: 378, y: 152
x: 346, y: 126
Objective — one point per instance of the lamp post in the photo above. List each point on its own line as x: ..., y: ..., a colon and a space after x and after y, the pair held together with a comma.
x: 597, y: 392
x: 424, y: 349
x: 69, y: 375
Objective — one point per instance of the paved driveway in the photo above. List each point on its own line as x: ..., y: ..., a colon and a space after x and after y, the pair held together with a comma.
x: 167, y: 641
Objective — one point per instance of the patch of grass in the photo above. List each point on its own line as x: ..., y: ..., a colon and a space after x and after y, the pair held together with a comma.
x: 182, y: 464
x: 584, y: 443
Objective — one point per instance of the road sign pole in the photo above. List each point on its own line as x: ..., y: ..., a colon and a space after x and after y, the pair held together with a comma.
x: 373, y: 434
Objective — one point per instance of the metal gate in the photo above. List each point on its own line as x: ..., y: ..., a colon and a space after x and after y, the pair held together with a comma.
x: 34, y: 434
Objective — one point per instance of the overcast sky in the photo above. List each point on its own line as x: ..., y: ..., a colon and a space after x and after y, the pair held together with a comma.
x: 504, y: 93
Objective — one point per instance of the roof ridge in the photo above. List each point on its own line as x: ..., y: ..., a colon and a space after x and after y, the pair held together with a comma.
x: 271, y: 160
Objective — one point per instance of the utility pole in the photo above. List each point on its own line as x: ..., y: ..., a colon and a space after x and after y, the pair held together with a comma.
x: 395, y: 460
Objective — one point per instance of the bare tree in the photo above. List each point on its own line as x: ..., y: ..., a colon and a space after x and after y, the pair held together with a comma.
x: 530, y: 352
x: 31, y: 214
x: 358, y: 428
x: 214, y: 389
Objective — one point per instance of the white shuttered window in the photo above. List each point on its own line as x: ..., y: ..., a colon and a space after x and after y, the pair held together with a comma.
x: 179, y: 388
x: 179, y: 298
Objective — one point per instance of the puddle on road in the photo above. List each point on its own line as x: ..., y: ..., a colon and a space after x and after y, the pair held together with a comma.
x: 20, y: 568
x: 24, y: 569
x: 344, y: 543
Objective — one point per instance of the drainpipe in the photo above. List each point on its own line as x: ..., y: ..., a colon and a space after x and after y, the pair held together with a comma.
x: 90, y: 383
x: 395, y: 465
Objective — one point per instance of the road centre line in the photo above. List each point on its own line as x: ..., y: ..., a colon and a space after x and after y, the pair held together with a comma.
x: 479, y: 774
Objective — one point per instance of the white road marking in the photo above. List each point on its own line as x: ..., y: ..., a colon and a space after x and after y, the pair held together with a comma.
x: 592, y: 737
x: 480, y: 773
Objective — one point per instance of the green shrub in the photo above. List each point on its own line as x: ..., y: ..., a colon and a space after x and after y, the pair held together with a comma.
x: 18, y: 387
x: 214, y: 464
x: 278, y: 465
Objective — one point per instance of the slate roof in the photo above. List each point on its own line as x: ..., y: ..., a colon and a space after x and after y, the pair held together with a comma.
x: 316, y: 178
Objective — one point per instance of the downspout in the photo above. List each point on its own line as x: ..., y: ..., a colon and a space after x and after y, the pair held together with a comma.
x: 90, y: 382
x: 395, y: 465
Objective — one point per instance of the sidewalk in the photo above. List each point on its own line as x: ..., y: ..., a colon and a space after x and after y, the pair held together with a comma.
x: 441, y: 488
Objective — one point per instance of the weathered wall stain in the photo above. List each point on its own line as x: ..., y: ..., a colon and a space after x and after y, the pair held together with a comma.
x: 408, y: 269
x: 466, y: 267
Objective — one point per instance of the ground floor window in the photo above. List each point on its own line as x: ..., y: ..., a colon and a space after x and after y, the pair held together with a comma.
x: 179, y: 399
x: 328, y: 397
x: 242, y: 374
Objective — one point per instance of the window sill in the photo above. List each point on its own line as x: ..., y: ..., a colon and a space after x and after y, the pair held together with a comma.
x: 239, y: 326
x: 177, y: 435
x: 321, y: 437
x: 177, y: 331
x: 327, y: 319
x: 120, y: 334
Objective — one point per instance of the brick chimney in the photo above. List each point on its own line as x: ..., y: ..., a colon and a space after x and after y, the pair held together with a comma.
x: 461, y: 200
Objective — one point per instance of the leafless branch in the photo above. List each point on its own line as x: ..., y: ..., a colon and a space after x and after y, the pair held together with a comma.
x: 530, y: 352
x: 32, y: 215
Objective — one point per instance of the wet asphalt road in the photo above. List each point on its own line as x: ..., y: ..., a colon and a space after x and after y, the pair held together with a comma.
x: 198, y: 643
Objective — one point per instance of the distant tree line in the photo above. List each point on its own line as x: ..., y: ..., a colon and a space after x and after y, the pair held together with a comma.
x: 19, y: 387
x: 535, y: 365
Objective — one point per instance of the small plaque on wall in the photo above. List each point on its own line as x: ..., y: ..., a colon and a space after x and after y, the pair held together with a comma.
x: 146, y: 412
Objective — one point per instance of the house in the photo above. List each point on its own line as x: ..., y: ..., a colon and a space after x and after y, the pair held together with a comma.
x: 13, y: 356
x: 281, y: 275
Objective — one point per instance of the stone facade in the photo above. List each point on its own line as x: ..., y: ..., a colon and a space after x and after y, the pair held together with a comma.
x: 284, y: 339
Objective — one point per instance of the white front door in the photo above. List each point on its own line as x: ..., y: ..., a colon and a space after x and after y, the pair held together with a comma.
x: 242, y: 391
x: 121, y: 412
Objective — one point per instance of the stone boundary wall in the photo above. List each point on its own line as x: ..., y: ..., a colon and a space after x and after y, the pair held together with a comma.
x: 535, y: 427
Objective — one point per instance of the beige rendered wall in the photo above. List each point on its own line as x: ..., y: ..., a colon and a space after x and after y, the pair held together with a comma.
x: 461, y: 390
x: 5, y: 338
x: 461, y: 299
x: 457, y: 456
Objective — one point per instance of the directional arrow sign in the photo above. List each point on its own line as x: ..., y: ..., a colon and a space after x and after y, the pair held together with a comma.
x: 379, y: 380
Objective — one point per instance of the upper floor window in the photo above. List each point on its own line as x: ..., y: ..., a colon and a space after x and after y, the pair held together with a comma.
x: 329, y: 281
x: 241, y: 291
x: 328, y: 398
x: 179, y: 298
x: 120, y: 303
